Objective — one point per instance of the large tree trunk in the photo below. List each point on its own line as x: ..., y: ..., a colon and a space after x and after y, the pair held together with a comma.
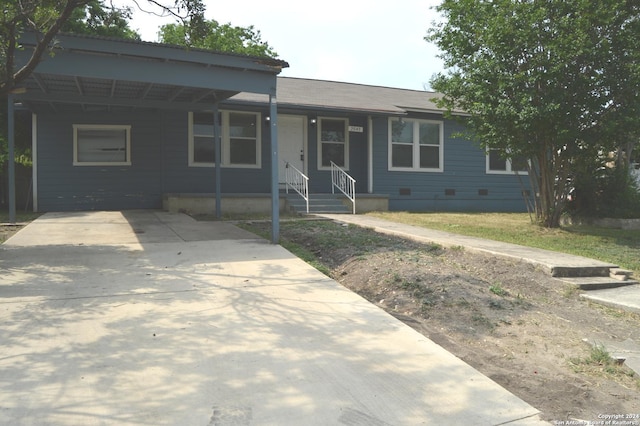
x: 549, y: 175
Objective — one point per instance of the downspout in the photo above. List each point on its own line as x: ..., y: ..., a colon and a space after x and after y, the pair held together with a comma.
x: 217, y: 141
x: 11, y: 159
x: 370, y: 154
x: 275, y: 188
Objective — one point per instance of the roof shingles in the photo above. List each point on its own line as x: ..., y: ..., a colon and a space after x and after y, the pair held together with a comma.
x: 332, y: 95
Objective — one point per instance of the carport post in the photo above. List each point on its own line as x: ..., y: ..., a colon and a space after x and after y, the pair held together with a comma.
x: 11, y: 159
x: 217, y: 142
x: 275, y: 187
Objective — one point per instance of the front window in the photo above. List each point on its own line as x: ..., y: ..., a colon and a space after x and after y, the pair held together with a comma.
x: 202, y: 138
x: 498, y: 163
x: 334, y: 142
x: 415, y: 145
x: 241, y: 139
x: 101, y: 145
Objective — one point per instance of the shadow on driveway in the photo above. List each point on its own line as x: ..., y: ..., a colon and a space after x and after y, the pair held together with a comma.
x: 157, y: 321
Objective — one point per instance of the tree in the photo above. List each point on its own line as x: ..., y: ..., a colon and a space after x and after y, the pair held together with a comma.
x: 549, y: 80
x: 221, y: 38
x: 97, y: 19
x: 48, y: 17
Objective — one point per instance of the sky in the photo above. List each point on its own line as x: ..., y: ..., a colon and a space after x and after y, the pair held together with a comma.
x: 376, y: 42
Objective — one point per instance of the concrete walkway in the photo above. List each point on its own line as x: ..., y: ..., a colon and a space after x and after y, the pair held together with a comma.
x: 149, y: 318
x: 627, y: 298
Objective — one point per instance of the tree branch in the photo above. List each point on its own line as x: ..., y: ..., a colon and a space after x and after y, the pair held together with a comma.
x: 41, y: 47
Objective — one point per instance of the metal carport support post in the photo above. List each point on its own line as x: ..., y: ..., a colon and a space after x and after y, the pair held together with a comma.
x: 11, y: 159
x: 275, y: 187
x: 217, y: 142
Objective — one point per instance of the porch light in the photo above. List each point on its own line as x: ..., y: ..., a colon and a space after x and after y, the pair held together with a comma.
x: 313, y: 121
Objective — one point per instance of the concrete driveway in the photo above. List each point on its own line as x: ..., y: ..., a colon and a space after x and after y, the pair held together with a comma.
x: 151, y: 318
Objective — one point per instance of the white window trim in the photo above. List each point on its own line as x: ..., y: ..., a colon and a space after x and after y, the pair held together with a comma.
x: 225, y: 161
x: 416, y: 148
x: 508, y: 171
x: 126, y: 128
x: 344, y: 167
x: 190, y: 144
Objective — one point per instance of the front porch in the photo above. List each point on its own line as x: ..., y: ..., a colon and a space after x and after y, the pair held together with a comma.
x: 244, y: 203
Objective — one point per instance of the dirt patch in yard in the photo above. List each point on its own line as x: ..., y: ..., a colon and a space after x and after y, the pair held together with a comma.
x: 6, y: 231
x: 508, y: 319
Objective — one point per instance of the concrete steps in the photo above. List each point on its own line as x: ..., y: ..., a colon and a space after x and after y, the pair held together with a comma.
x: 318, y: 203
x: 613, y: 287
x: 596, y: 278
x: 597, y: 283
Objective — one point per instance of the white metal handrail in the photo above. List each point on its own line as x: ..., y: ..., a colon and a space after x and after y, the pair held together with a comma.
x: 297, y: 180
x: 345, y: 183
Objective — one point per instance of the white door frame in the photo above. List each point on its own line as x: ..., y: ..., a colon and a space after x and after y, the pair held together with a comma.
x: 281, y: 146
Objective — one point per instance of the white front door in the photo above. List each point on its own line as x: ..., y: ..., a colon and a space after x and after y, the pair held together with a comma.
x: 292, y: 137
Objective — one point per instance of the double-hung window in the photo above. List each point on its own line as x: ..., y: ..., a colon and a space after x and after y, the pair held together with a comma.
x: 202, y: 148
x: 415, y: 145
x: 498, y: 163
x: 333, y: 136
x: 101, y: 145
x: 241, y: 139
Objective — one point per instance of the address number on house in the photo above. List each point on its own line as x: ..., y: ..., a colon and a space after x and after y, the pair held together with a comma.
x: 357, y: 129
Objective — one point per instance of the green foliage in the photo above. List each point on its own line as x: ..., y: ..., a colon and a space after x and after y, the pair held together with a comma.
x: 217, y: 37
x: 498, y: 290
x: 547, y: 81
x: 602, y: 189
x: 618, y: 246
x: 600, y: 362
x: 86, y: 17
x: 97, y: 19
x: 49, y: 17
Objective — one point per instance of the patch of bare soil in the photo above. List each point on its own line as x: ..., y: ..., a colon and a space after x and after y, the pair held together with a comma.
x: 6, y: 231
x: 508, y: 319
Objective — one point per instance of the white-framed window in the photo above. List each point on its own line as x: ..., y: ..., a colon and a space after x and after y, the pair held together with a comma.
x: 416, y: 145
x: 201, y: 143
x: 333, y: 142
x: 101, y: 145
x: 241, y: 139
x: 497, y: 163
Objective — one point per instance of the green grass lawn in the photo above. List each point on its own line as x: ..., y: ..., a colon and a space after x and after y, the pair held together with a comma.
x: 617, y: 246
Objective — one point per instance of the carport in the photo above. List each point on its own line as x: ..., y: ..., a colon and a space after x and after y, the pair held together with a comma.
x: 89, y: 73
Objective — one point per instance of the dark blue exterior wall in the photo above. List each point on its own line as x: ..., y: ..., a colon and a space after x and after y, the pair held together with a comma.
x: 159, y: 164
x: 159, y: 155
x: 464, y: 177
x: 63, y: 186
x: 179, y: 177
x: 320, y: 179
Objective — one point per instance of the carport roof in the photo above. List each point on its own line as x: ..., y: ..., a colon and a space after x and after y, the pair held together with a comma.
x: 98, y: 73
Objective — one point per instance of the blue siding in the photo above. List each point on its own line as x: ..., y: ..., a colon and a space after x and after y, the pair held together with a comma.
x: 159, y: 151
x: 159, y: 156
x: 178, y: 177
x: 457, y: 188
x: 63, y: 186
x: 320, y: 180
